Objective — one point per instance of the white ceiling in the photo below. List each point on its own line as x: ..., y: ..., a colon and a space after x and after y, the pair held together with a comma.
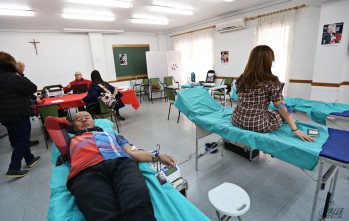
x: 48, y: 14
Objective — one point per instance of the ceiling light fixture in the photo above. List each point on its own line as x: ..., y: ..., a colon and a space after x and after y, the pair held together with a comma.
x: 173, y: 10
x: 110, y: 3
x: 16, y: 12
x: 149, y: 21
x: 228, y: 0
x: 79, y: 30
x: 88, y: 17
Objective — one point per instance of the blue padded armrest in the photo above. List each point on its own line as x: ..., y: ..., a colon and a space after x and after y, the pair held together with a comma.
x: 343, y: 114
x: 336, y: 146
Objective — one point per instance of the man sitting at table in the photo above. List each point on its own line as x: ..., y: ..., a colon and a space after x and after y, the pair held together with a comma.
x: 78, y: 80
x: 105, y: 178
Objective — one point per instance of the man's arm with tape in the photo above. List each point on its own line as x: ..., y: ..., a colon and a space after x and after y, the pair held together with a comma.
x: 144, y: 156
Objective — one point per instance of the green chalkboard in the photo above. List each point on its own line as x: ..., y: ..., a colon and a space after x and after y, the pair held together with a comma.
x: 130, y: 60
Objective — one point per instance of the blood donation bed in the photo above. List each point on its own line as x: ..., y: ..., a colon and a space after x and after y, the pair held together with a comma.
x: 330, y: 146
x: 169, y: 204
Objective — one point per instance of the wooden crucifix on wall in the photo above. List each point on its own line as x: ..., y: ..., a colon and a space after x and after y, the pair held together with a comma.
x: 34, y: 44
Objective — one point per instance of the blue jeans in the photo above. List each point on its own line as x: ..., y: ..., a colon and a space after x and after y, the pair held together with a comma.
x: 20, y: 133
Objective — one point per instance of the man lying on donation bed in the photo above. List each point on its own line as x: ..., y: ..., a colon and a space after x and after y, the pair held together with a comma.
x: 105, y: 178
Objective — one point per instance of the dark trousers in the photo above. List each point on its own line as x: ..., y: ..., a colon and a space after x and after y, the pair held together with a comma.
x: 112, y: 190
x: 19, y: 132
x: 11, y: 138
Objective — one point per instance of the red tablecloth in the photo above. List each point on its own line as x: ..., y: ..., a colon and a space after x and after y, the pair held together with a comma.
x: 66, y: 101
x: 129, y: 97
x: 74, y: 100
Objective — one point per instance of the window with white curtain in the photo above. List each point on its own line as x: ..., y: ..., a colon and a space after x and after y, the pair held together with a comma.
x: 196, y: 53
x: 276, y: 31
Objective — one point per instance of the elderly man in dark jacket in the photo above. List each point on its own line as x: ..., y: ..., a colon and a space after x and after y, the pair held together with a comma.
x: 20, y: 69
x: 15, y: 112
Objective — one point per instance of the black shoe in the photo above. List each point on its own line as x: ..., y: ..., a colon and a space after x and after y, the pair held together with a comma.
x: 33, y: 143
x: 16, y: 173
x: 120, y: 117
x: 34, y: 161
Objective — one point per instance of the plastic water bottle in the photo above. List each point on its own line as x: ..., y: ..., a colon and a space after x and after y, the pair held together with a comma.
x: 193, y: 77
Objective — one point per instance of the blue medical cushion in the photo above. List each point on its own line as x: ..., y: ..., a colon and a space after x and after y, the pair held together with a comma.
x: 336, y: 146
x: 343, y: 114
x: 204, y: 111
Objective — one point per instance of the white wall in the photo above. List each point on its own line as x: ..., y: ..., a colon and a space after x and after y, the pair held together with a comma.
x: 59, y: 55
x: 98, y: 55
x: 331, y: 61
x: 240, y: 43
x: 62, y: 54
x: 304, y: 46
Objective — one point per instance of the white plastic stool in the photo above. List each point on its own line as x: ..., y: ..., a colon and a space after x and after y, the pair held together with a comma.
x: 229, y: 200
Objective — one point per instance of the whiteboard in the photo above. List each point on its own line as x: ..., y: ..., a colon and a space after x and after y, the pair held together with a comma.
x: 156, y: 64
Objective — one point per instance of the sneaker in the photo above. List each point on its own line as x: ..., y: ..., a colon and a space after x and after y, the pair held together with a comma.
x: 33, y: 143
x: 34, y: 161
x: 16, y: 173
x: 120, y: 117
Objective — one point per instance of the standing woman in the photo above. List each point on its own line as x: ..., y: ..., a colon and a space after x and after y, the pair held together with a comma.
x: 256, y: 88
x: 97, y: 87
x: 15, y: 110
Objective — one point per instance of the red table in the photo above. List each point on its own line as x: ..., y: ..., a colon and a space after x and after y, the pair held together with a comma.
x: 66, y: 101
x: 75, y: 100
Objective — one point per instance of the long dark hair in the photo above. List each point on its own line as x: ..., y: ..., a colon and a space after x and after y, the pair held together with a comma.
x: 258, y: 69
x: 97, y: 79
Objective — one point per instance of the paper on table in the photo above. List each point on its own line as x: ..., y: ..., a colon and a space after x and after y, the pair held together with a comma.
x: 124, y: 87
x: 57, y: 101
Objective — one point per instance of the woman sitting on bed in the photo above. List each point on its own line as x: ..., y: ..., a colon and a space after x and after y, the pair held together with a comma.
x: 256, y: 87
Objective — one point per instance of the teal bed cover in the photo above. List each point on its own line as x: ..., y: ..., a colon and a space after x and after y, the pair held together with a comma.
x: 316, y: 110
x: 207, y: 113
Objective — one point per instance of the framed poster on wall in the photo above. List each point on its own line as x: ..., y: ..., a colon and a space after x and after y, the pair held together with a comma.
x: 332, y: 33
x: 224, y: 57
